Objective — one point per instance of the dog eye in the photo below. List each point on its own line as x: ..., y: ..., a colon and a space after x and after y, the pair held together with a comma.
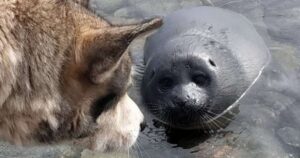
x: 102, y: 104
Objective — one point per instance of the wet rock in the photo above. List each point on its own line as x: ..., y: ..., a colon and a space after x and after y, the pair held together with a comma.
x: 222, y: 152
x: 190, y: 3
x: 151, y: 7
x: 93, y: 154
x: 108, y: 6
x: 286, y: 54
x: 121, y: 21
x: 290, y: 136
x: 283, y: 20
x: 207, y: 2
x: 262, y: 142
x: 264, y: 118
x: 43, y: 151
x: 127, y: 12
x: 134, y: 1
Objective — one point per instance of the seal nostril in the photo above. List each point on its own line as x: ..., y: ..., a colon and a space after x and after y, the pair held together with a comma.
x: 212, y: 63
x: 143, y: 125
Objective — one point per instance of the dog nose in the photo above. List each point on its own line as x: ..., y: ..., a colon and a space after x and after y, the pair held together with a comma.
x: 143, y: 125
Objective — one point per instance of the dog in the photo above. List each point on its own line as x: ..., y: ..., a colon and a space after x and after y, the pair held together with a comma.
x: 64, y: 75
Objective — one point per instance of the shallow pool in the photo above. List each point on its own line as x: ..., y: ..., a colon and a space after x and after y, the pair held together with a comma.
x: 267, y: 125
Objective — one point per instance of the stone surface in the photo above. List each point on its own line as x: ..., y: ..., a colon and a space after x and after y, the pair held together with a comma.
x: 43, y: 151
x: 265, y: 126
x: 157, y: 7
x: 108, y: 6
x: 290, y: 136
x: 92, y: 154
x: 126, y: 12
x: 190, y: 3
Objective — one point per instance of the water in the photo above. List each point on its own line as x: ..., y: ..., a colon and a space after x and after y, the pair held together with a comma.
x: 267, y: 126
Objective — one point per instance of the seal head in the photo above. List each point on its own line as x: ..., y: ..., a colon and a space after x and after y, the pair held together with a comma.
x: 199, y: 64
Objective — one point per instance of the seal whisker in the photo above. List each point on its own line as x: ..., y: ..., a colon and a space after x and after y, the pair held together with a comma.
x: 138, y: 150
x: 227, y: 118
x: 212, y: 108
x: 155, y: 111
x: 143, y: 151
x: 155, y: 107
x: 201, y: 123
x: 209, y: 125
x: 168, y: 117
x: 212, y: 124
x: 218, y: 124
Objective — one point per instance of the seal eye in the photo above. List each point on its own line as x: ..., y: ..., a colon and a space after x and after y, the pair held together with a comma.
x: 201, y: 79
x: 166, y: 83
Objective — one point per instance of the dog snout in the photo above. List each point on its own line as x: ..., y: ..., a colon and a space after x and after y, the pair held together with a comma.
x: 143, y: 125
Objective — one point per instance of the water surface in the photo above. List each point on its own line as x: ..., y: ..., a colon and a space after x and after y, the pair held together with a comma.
x: 267, y: 126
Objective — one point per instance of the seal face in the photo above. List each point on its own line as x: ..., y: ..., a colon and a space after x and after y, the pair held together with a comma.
x: 199, y: 64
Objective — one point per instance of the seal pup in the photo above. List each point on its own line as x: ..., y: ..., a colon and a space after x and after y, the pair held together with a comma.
x: 198, y: 65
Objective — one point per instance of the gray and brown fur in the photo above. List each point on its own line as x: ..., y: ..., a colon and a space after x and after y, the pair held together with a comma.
x: 57, y: 62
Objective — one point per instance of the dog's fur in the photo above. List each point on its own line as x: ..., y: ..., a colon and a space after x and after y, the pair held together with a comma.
x: 64, y: 74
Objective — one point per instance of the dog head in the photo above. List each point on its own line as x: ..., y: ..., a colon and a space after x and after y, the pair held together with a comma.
x: 95, y: 84
x: 65, y: 76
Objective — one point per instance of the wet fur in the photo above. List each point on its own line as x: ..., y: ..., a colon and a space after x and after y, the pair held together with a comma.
x: 56, y: 60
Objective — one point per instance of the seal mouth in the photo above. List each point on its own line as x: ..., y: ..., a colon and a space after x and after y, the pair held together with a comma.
x: 183, y: 117
x: 190, y: 118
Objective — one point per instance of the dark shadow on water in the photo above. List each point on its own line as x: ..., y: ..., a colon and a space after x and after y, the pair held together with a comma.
x: 188, y: 139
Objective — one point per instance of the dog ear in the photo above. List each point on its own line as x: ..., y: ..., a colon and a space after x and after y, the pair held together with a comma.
x: 102, y: 49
